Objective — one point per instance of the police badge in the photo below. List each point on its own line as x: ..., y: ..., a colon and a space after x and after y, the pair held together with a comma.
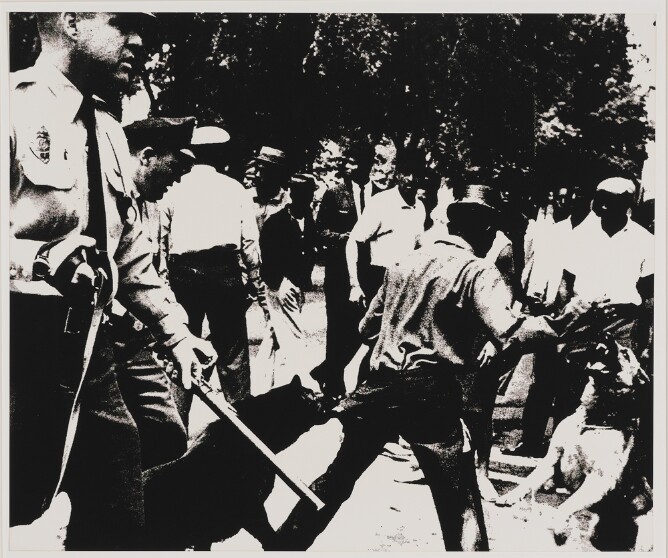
x: 41, y: 146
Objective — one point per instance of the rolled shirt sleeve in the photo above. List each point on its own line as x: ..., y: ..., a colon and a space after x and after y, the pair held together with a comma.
x: 492, y: 299
x: 366, y: 227
x: 143, y: 292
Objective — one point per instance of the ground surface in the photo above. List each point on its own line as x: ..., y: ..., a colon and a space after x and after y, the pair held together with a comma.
x: 390, y: 508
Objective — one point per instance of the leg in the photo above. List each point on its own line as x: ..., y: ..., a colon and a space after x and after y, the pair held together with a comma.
x: 450, y: 475
x: 362, y: 442
x: 568, y: 390
x: 191, y: 297
x: 343, y: 339
x: 103, y: 478
x: 538, y: 406
x: 226, y: 311
x: 147, y: 393
x: 42, y: 362
x: 289, y: 333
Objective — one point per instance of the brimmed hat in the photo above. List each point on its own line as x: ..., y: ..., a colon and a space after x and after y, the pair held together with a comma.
x: 271, y: 155
x: 303, y: 181
x: 617, y: 185
x: 478, y: 196
x: 210, y: 135
x: 160, y: 131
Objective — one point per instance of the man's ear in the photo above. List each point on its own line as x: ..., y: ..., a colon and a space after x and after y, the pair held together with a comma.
x: 69, y: 22
x: 145, y: 155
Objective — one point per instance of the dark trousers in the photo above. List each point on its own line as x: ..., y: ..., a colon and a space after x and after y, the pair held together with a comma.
x: 217, y: 293
x: 147, y: 393
x: 555, y: 392
x: 435, y: 436
x: 103, y: 476
x: 343, y: 338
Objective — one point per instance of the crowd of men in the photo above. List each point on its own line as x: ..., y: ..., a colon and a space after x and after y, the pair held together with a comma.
x: 123, y: 240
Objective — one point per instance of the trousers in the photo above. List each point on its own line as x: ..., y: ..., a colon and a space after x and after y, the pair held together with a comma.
x: 436, y: 438
x: 205, y: 288
x: 147, y: 393
x: 103, y: 475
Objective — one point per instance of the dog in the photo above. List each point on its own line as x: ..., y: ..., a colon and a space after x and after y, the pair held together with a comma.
x: 219, y: 486
x: 594, y: 455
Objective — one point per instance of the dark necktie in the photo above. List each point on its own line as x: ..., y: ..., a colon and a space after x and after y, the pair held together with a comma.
x: 97, y: 219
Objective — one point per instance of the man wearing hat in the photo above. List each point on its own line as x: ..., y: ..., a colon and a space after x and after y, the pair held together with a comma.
x: 161, y: 155
x: 287, y: 243
x: 424, y: 320
x: 75, y: 244
x: 212, y: 231
x: 269, y: 195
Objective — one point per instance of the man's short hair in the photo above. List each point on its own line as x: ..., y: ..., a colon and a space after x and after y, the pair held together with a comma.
x: 48, y: 22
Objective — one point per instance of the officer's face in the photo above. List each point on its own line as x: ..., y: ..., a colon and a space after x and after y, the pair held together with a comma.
x: 112, y: 46
x: 160, y: 171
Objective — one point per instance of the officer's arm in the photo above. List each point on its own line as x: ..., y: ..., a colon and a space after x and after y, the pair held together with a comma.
x: 514, y: 334
x: 143, y: 292
x: 250, y: 253
x: 370, y: 325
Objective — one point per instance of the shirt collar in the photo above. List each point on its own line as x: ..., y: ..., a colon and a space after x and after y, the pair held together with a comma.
x: 403, y: 204
x: 202, y: 169
x: 453, y: 240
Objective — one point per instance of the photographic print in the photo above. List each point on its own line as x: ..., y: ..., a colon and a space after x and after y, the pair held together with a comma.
x: 334, y: 278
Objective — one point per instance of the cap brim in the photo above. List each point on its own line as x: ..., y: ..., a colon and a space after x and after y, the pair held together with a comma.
x: 188, y: 153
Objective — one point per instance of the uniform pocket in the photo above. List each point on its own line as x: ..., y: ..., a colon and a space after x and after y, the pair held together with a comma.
x: 56, y: 173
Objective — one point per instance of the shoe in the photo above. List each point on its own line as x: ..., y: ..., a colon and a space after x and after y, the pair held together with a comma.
x: 486, y: 488
x: 525, y: 450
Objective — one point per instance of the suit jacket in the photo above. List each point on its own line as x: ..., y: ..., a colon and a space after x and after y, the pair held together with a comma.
x: 336, y: 219
x: 287, y: 251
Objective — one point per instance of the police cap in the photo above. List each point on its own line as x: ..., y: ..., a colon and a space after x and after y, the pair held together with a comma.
x: 162, y: 132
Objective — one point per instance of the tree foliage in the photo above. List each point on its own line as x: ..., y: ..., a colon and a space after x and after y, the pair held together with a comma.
x: 530, y: 101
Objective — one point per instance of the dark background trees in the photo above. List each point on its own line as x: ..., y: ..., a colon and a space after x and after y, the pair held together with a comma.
x: 530, y: 101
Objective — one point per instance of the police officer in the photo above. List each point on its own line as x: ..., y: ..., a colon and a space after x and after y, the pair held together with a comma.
x: 213, y: 239
x: 161, y: 155
x: 423, y: 323
x: 74, y: 222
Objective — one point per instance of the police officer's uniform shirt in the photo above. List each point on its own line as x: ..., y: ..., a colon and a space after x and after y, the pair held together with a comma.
x: 206, y: 209
x: 49, y: 195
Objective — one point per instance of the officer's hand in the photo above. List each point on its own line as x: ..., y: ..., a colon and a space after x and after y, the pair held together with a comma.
x: 83, y: 281
x: 63, y: 265
x: 190, y: 355
x: 487, y: 354
x: 357, y: 295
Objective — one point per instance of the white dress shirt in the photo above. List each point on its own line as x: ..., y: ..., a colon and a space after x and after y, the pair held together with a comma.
x: 208, y: 209
x: 610, y: 266
x: 390, y: 225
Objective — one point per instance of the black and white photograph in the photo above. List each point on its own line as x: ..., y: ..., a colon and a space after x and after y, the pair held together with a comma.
x: 338, y: 277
